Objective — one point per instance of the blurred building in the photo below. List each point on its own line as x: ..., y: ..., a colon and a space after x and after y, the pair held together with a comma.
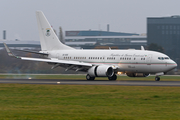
x: 89, y: 40
x: 20, y: 44
x: 165, y: 31
x: 96, y: 39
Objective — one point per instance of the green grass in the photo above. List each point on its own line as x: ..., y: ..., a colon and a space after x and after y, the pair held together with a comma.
x: 87, y: 102
x: 83, y: 77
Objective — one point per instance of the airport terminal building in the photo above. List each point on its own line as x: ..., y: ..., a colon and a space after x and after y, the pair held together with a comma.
x: 165, y: 31
x: 90, y: 40
x: 104, y: 39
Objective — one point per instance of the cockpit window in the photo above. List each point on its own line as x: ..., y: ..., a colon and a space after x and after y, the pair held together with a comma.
x: 163, y: 58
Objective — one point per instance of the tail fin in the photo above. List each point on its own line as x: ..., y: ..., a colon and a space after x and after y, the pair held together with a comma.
x: 48, y: 38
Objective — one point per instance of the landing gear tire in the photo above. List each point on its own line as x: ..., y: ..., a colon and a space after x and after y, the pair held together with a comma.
x: 88, y: 77
x: 157, y: 78
x: 114, y: 77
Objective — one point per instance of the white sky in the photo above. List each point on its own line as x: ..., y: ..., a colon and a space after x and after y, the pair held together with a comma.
x: 18, y: 18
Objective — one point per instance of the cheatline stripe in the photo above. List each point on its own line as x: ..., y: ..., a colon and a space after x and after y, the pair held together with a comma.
x: 133, y: 63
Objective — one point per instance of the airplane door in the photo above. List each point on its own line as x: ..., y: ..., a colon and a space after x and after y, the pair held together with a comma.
x: 57, y: 55
x: 148, y: 60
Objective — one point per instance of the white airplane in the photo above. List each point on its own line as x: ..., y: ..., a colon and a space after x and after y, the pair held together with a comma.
x: 97, y: 63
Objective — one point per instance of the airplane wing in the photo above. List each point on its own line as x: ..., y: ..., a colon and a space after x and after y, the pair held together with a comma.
x: 53, y: 60
x: 56, y: 62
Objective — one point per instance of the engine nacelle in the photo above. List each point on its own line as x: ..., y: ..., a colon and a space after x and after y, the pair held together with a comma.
x: 137, y: 74
x: 101, y: 71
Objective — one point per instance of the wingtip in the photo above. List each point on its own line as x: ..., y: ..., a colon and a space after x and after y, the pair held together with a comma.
x: 142, y: 48
x: 9, y: 51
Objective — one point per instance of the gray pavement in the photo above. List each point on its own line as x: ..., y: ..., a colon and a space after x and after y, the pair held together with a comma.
x: 95, y: 82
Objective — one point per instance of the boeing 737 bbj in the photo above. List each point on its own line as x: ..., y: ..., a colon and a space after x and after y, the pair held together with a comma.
x: 97, y: 63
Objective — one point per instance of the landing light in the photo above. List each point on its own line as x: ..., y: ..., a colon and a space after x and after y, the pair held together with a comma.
x: 119, y: 73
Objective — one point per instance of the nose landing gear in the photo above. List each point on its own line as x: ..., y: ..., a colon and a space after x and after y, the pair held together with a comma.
x: 157, y: 78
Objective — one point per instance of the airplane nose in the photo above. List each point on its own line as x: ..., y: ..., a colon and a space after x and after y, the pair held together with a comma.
x: 174, y: 65
x: 171, y: 65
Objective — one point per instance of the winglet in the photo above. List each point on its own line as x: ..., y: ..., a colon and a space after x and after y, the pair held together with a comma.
x: 9, y: 52
x: 142, y: 48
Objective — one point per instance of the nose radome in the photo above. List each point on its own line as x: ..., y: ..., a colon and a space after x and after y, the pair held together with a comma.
x: 171, y: 66
x: 174, y: 65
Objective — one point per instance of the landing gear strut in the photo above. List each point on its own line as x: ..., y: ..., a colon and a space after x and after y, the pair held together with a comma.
x: 114, y: 77
x: 157, y: 78
x: 88, y: 77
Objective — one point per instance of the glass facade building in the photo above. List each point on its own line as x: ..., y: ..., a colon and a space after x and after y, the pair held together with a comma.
x: 165, y: 31
x: 92, y: 39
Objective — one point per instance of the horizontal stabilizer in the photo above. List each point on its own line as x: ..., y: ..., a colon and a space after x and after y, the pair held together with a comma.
x: 35, y: 52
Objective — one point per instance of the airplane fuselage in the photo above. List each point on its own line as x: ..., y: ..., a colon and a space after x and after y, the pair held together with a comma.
x: 126, y: 60
x: 97, y: 63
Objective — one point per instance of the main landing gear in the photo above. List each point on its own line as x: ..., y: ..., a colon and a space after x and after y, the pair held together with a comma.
x: 88, y: 77
x: 114, y: 77
x: 157, y: 78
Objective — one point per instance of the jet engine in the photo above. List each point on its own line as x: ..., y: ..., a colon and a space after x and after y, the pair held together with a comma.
x: 101, y: 71
x: 137, y: 74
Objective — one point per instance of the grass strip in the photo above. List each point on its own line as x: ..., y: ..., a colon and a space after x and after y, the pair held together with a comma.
x: 88, y: 102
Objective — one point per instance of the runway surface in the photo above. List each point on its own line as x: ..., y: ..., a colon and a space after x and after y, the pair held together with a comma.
x: 95, y: 82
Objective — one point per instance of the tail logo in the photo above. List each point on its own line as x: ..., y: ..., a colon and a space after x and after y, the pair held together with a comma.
x: 48, y: 32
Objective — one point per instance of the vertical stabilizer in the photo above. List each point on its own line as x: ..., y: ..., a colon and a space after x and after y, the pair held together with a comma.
x: 48, y: 38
